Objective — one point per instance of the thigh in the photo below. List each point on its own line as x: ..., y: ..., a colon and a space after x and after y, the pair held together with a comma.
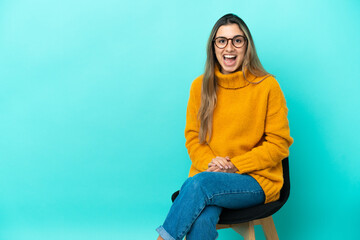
x: 229, y: 190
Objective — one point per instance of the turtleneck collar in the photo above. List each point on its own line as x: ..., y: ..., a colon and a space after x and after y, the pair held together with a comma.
x: 233, y: 80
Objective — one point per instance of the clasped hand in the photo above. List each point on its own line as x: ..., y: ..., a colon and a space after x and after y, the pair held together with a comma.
x: 221, y: 164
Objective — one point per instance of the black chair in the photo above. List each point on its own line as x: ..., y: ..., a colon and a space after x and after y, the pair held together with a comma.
x: 244, y: 220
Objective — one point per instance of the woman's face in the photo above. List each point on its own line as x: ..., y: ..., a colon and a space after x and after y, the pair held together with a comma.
x: 230, y: 58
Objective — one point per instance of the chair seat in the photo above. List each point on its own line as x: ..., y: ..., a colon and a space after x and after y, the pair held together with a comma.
x: 231, y: 216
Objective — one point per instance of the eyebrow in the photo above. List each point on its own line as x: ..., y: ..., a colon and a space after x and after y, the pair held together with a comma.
x: 229, y: 38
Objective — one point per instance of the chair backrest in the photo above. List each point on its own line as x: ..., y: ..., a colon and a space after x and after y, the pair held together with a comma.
x: 285, y: 190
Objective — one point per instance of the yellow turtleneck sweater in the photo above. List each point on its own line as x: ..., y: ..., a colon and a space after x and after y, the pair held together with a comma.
x: 250, y: 126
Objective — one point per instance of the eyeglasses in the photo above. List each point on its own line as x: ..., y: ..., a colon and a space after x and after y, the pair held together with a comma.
x: 238, y: 41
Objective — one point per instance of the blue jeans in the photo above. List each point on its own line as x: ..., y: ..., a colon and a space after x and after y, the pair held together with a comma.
x: 195, y: 212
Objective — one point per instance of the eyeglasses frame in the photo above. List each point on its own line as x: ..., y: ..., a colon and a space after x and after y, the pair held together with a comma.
x: 232, y: 42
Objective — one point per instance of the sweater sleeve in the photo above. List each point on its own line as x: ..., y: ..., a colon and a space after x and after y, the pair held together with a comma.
x: 200, y: 154
x: 277, y: 140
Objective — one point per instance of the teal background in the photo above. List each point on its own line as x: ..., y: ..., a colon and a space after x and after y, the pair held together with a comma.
x: 93, y: 97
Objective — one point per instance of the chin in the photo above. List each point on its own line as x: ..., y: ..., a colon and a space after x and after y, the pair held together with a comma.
x: 230, y: 69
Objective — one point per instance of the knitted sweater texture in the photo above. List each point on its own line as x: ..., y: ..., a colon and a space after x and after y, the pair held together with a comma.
x: 250, y: 126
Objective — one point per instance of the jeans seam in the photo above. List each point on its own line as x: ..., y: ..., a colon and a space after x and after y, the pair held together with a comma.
x: 231, y: 192
x: 236, y: 192
x: 187, y: 228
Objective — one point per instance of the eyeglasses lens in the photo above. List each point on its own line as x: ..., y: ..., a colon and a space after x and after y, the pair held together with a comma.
x: 237, y: 41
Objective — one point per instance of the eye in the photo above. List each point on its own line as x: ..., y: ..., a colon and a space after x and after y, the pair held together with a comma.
x: 238, y: 40
x: 221, y: 42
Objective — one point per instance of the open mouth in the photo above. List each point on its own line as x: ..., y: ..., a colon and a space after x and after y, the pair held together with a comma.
x: 229, y: 60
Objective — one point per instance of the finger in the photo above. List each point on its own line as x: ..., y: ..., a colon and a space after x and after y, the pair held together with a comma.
x: 211, y: 164
x: 212, y: 169
x: 216, y: 169
x: 229, y: 163
x: 218, y: 163
x: 224, y: 163
x: 214, y: 162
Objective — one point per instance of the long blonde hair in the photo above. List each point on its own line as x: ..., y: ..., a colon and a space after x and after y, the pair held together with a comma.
x: 209, y: 86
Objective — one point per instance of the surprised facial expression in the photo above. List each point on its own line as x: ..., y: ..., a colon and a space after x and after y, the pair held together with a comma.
x: 230, y: 58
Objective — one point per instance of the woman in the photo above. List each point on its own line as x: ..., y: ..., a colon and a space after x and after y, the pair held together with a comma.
x: 236, y: 133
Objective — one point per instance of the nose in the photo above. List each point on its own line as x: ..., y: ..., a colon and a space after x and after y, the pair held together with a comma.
x: 229, y: 47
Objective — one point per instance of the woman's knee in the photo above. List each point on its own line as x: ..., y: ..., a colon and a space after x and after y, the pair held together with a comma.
x: 199, y: 181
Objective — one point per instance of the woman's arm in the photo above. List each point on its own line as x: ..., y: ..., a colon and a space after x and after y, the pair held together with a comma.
x: 277, y: 140
x: 200, y: 154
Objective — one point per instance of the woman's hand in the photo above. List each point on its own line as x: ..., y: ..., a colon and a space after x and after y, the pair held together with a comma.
x: 220, y: 164
x: 214, y: 168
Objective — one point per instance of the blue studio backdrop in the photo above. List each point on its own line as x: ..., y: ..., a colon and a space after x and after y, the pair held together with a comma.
x: 93, y: 99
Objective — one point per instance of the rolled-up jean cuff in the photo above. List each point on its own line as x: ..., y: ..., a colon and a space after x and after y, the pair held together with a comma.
x: 164, y: 234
